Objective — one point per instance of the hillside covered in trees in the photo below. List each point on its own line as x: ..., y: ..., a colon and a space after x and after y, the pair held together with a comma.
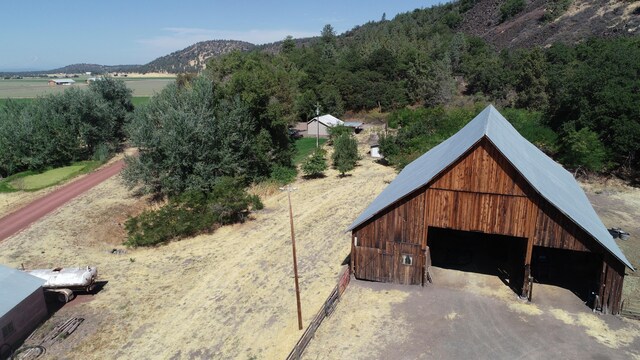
x: 584, y: 95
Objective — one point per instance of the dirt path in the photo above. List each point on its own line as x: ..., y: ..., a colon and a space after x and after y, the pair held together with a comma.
x: 20, y: 219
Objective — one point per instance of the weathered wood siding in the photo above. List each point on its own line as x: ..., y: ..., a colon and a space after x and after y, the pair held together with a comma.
x: 481, y: 192
x: 24, y: 318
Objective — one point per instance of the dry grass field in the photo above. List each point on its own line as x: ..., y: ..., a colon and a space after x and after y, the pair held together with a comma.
x: 225, y: 295
x: 230, y: 294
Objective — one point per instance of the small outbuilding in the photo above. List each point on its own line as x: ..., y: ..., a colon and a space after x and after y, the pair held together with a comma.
x: 487, y: 200
x: 319, y: 125
x: 22, y: 306
x: 66, y: 82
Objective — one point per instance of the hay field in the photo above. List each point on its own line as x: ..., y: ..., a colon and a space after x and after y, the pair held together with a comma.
x: 225, y: 295
x: 32, y: 88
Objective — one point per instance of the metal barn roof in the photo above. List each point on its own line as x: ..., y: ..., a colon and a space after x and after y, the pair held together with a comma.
x: 547, y: 177
x: 16, y: 286
x: 328, y: 120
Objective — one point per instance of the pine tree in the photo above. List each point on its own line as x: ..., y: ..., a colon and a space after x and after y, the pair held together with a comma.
x: 345, y: 155
x: 315, y: 165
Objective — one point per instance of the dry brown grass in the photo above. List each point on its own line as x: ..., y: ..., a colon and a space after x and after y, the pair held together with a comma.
x: 224, y: 295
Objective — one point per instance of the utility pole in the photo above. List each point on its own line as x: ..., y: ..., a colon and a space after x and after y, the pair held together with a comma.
x: 288, y: 189
x: 317, y: 125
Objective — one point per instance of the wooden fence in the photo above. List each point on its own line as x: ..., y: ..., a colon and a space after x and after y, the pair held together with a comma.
x: 327, y: 309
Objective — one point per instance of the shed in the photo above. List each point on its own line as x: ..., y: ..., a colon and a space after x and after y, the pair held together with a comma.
x: 61, y: 82
x: 320, y: 125
x: 374, y: 144
x: 22, y: 306
x: 489, y: 197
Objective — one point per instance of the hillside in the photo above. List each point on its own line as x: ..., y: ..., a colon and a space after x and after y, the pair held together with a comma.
x: 583, y: 19
x: 194, y: 57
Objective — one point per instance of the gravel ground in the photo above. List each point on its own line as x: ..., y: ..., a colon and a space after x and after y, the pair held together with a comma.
x: 468, y: 316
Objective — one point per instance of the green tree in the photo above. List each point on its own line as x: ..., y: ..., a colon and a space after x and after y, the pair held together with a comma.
x: 316, y: 164
x: 118, y: 95
x: 531, y: 80
x: 188, y: 138
x: 345, y: 153
x: 288, y: 45
x: 582, y: 148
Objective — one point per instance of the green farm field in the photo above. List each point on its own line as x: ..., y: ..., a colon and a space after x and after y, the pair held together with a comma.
x: 32, y: 88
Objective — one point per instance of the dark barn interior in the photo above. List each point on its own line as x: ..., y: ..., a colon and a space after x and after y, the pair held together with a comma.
x: 577, y: 271
x: 481, y: 253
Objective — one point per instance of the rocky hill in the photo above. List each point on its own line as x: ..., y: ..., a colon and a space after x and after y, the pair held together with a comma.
x: 582, y: 19
x: 194, y: 57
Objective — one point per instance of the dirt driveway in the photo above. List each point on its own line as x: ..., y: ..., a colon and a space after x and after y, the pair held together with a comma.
x: 469, y: 316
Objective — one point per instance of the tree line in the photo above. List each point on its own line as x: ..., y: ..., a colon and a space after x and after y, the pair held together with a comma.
x: 587, y: 94
x: 58, y: 129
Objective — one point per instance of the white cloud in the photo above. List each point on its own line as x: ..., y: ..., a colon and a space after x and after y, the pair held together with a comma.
x: 179, y: 38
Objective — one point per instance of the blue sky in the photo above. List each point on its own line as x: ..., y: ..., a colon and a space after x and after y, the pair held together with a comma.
x: 44, y: 34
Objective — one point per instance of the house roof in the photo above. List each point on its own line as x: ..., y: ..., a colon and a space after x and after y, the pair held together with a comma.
x: 16, y: 286
x: 547, y: 177
x: 327, y: 120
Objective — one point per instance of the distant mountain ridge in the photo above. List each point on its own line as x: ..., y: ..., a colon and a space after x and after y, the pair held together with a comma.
x: 482, y: 18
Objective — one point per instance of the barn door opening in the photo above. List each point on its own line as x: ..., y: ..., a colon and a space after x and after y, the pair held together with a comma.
x: 576, y: 271
x: 489, y: 254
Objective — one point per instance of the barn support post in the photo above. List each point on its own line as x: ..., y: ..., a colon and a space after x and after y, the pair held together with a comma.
x: 527, y: 285
x: 353, y: 253
x: 426, y: 276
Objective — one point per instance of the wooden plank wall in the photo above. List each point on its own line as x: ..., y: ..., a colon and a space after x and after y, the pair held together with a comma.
x: 483, y: 170
x: 480, y: 192
x: 611, y: 281
x: 555, y: 230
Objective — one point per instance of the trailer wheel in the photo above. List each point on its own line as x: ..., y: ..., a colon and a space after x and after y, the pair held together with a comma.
x: 65, y: 295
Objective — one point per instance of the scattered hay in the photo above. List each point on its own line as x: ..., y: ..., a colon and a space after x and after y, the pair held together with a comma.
x: 525, y: 308
x: 563, y: 316
x: 598, y: 329
x: 451, y: 316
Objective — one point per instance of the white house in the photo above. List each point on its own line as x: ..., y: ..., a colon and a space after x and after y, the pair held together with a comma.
x: 320, y: 125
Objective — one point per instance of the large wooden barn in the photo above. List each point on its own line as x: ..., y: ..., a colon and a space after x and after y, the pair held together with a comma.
x: 487, y: 200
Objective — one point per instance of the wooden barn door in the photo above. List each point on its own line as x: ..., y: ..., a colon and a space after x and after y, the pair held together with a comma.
x: 406, y: 263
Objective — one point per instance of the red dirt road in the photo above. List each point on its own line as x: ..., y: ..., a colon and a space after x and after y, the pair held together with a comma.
x: 20, y: 219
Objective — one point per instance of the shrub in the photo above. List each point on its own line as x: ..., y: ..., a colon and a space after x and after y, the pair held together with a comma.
x: 555, y: 8
x: 283, y: 174
x: 191, y: 213
x: 338, y: 130
x: 510, y: 8
x: 315, y: 165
